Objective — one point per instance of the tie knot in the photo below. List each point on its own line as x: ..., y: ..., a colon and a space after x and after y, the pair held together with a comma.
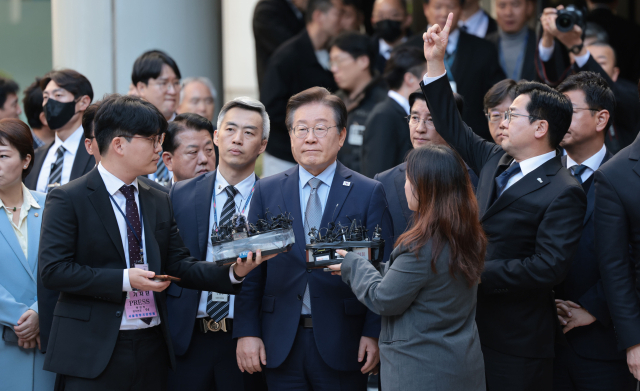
x: 314, y: 183
x: 127, y: 192
x: 514, y: 169
x: 231, y: 191
x: 578, y: 169
x: 61, y: 150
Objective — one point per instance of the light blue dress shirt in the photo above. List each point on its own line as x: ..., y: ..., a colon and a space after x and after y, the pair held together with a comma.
x: 323, y: 190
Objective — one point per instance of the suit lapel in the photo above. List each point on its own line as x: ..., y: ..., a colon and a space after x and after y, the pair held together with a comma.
x: 291, y: 196
x: 591, y: 194
x: 399, y: 181
x: 485, y: 198
x: 148, y: 212
x: 204, y: 196
x: 80, y: 162
x: 9, y: 234
x: 337, y: 195
x: 99, y: 198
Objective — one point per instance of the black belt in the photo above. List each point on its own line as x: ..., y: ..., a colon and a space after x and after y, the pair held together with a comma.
x: 207, y: 324
x: 306, y: 321
x: 139, y: 333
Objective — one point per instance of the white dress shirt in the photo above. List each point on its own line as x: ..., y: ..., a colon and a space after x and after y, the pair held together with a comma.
x: 385, y: 49
x: 71, y: 145
x: 528, y: 165
x: 242, y: 198
x: 545, y: 54
x: 477, y: 24
x: 402, y: 101
x: 593, y: 163
x: 113, y: 185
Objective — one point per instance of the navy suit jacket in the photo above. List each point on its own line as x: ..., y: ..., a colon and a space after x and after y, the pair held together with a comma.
x: 270, y: 303
x: 583, y: 285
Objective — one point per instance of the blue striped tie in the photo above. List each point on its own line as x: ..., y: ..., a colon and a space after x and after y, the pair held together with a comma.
x: 55, y: 176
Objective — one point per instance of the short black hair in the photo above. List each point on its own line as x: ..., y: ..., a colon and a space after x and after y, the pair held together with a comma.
x: 32, y: 104
x: 7, y: 87
x: 594, y: 30
x: 124, y: 115
x: 183, y: 122
x: 87, y: 119
x: 149, y: 66
x: 357, y: 4
x: 70, y: 80
x: 403, y: 60
x: 419, y: 95
x: 317, y: 95
x: 549, y: 105
x: 357, y: 45
x: 313, y: 5
x: 427, y: 2
x: 597, y: 93
x: 500, y: 91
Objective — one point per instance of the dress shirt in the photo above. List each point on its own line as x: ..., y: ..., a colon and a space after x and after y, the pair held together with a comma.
x: 528, y: 165
x: 21, y: 230
x: 71, y: 145
x: 244, y: 190
x: 113, y: 185
x: 477, y: 24
x: 454, y: 37
x: 593, y: 163
x: 323, y: 59
x: 326, y: 177
x: 402, y: 101
x: 385, y: 49
x: 545, y: 54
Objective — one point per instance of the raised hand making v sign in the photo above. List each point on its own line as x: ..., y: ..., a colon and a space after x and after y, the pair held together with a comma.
x: 435, y: 47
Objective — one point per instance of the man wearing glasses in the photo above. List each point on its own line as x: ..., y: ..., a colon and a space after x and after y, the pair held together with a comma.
x: 496, y: 101
x: 303, y: 326
x: 532, y: 210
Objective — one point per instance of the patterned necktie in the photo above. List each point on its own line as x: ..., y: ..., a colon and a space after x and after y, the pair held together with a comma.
x: 135, y: 256
x: 162, y: 173
x: 55, y: 176
x: 312, y: 219
x: 503, y: 179
x: 578, y: 169
x: 219, y: 310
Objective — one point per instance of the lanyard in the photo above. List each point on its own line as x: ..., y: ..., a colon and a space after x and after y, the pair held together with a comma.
x: 131, y: 227
x: 516, y: 69
x: 215, y: 213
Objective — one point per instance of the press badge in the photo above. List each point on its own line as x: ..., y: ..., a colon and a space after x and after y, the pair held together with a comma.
x: 356, y: 133
x: 140, y: 304
x: 215, y: 296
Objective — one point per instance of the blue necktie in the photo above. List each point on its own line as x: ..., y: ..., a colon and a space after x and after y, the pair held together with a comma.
x: 578, y: 169
x: 503, y: 179
x: 312, y: 219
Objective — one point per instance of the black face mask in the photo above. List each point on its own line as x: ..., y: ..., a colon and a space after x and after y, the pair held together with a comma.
x: 389, y: 30
x: 58, y: 113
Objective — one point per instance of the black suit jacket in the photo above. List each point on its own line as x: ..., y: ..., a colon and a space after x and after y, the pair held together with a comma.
x: 583, y: 285
x: 81, y: 255
x: 475, y: 70
x: 293, y: 68
x: 386, y: 139
x: 528, y: 64
x: 82, y: 164
x: 274, y: 22
x: 493, y: 25
x: 393, y: 183
x: 617, y: 237
x: 533, y: 230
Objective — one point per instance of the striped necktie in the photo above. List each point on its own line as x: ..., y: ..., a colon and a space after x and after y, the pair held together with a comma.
x: 162, y: 173
x: 55, y: 176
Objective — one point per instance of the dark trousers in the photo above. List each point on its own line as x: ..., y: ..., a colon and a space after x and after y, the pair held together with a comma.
x: 572, y: 372
x: 505, y: 372
x: 210, y: 365
x: 140, y: 362
x: 305, y: 370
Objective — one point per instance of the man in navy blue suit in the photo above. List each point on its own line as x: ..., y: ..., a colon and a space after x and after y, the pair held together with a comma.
x: 305, y: 326
x: 200, y: 322
x: 590, y: 360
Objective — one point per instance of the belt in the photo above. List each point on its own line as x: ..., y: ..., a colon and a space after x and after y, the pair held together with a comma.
x: 207, y: 324
x: 306, y: 321
x: 139, y: 333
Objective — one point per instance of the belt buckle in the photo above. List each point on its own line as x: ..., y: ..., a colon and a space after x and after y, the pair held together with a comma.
x: 214, y: 326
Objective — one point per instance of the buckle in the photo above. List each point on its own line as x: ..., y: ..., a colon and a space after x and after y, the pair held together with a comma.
x: 212, y: 325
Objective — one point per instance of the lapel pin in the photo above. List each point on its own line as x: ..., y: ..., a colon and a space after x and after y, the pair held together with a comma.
x: 345, y: 183
x: 35, y: 214
x: 539, y: 180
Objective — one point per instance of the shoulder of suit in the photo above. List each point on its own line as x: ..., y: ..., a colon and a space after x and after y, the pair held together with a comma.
x: 358, y: 179
x: 390, y: 173
x: 290, y: 47
x: 43, y: 149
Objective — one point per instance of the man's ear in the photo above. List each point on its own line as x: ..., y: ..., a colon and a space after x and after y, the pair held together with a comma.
x: 43, y: 119
x: 167, y: 158
x: 87, y: 146
x: 141, y: 87
x: 215, y: 138
x: 616, y: 73
x: 602, y: 118
x: 83, y: 103
x: 542, y: 129
x: 343, y: 136
x: 407, y: 21
x: 117, y: 145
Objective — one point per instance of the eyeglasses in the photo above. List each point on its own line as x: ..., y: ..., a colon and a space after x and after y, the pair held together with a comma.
x: 156, y: 140
x: 319, y: 131
x: 508, y: 114
x: 494, y: 116
x: 164, y: 84
x: 415, y: 121
x: 583, y: 108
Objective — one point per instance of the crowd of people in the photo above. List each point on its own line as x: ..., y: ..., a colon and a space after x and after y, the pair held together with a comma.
x: 498, y: 163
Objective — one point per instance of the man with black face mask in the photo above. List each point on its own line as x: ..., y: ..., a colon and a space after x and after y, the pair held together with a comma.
x: 66, y: 95
x: 391, y: 23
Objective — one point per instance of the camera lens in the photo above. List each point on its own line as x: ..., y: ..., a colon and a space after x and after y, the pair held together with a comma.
x: 564, y: 23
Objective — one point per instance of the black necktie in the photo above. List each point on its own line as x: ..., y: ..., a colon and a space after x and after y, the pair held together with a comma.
x: 503, y: 179
x: 55, y: 175
x: 578, y: 169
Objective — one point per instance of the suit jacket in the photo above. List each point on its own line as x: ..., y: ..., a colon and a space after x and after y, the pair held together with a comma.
x: 528, y: 65
x: 48, y: 298
x: 429, y: 333
x: 393, y: 182
x: 293, y: 68
x: 583, y: 285
x: 82, y: 164
x: 386, y: 139
x: 475, y: 70
x: 533, y: 230
x: 82, y: 257
x: 274, y: 22
x: 617, y: 240
x: 271, y: 301
x: 493, y: 25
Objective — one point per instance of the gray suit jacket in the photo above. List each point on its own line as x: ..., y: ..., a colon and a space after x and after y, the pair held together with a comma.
x: 429, y: 338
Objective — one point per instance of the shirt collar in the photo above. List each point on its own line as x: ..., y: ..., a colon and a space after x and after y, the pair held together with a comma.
x: 325, y: 176
x: 474, y: 20
x: 593, y: 162
x: 452, y: 45
x: 112, y: 182
x: 528, y: 165
x: 402, y: 101
x: 173, y: 116
x: 72, y: 142
x: 244, y: 187
x: 28, y: 201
